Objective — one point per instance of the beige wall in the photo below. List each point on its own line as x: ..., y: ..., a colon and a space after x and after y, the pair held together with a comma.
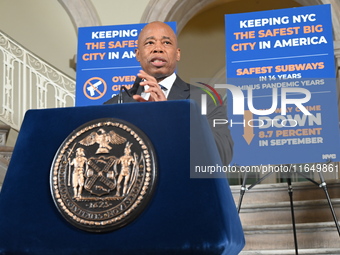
x: 45, y: 28
x: 115, y: 12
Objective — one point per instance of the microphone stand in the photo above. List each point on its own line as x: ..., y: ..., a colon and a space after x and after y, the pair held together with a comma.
x: 120, y: 95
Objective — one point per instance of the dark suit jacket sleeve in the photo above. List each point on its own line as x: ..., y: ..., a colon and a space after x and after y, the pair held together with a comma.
x: 221, y: 132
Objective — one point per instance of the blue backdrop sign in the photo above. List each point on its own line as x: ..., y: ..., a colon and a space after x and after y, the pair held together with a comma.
x: 282, y: 103
x: 106, y: 61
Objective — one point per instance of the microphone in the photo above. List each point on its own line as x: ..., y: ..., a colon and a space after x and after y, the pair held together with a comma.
x: 120, y: 95
x: 135, y: 86
x: 130, y: 92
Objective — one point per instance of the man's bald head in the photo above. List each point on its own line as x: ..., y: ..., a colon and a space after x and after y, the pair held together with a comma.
x: 157, y: 50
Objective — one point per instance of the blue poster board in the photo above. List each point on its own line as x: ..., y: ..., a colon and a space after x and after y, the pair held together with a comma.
x: 282, y: 62
x: 106, y: 61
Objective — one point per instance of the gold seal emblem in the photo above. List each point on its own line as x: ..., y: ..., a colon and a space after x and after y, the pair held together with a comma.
x: 103, y: 175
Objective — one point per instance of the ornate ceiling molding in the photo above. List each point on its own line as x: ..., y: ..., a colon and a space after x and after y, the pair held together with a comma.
x: 182, y: 11
x: 173, y: 10
x: 335, y: 13
x: 81, y: 12
x: 309, y: 2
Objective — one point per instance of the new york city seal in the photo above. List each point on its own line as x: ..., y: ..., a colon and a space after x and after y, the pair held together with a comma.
x: 103, y: 175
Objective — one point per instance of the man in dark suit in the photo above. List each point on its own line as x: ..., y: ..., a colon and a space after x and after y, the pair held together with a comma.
x: 158, y: 55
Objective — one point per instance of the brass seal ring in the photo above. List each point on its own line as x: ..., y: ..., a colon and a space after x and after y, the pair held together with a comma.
x: 103, y: 175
